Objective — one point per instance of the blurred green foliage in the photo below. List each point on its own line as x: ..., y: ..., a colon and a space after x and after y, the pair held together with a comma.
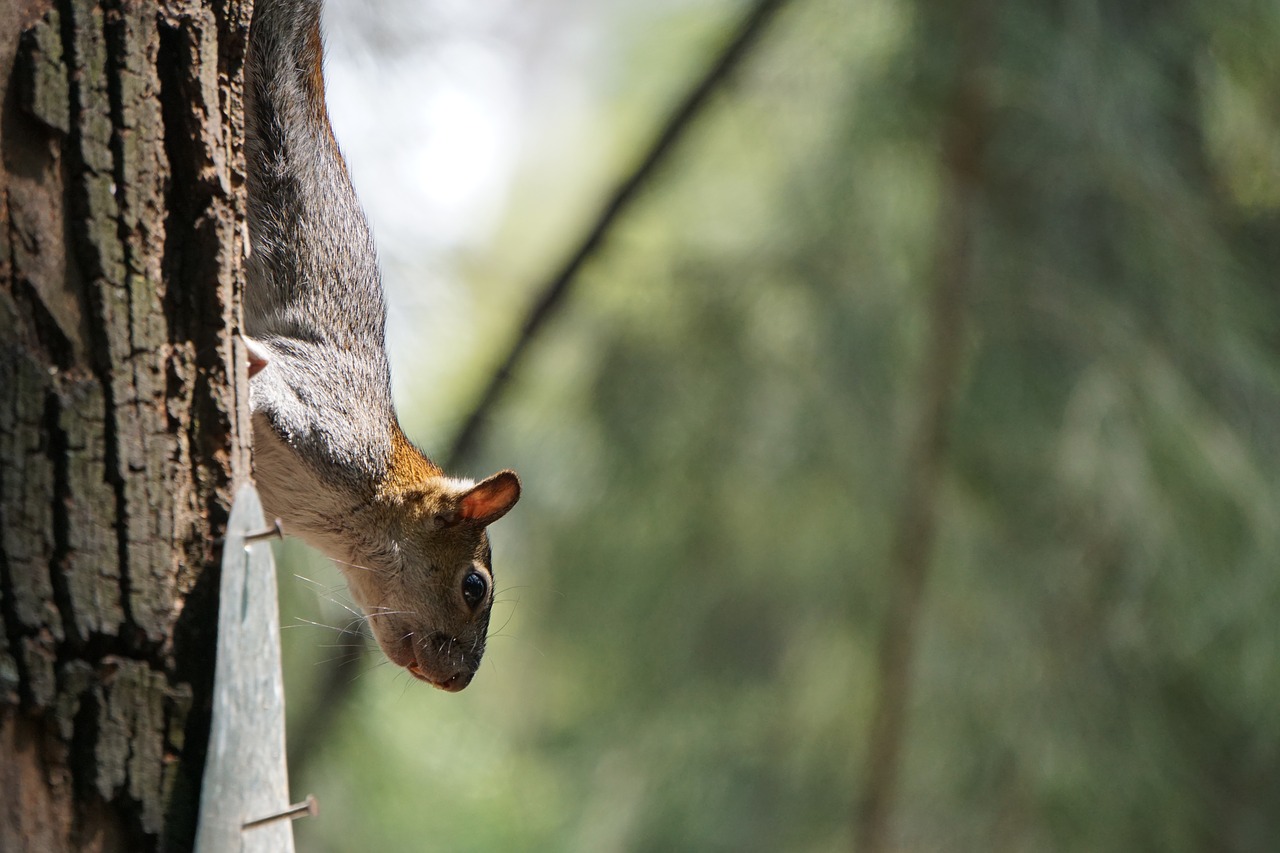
x: 711, y: 438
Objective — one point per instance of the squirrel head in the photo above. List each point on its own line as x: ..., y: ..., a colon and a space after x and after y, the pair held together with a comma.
x: 410, y: 540
x: 421, y: 570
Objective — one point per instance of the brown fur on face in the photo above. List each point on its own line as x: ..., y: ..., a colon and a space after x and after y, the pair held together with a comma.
x: 405, y: 552
x: 420, y: 545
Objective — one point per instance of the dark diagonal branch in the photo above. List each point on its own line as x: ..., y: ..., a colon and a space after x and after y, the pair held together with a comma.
x: 551, y: 295
x: 337, y: 680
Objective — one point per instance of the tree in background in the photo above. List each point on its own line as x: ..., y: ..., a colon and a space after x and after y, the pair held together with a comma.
x: 1018, y: 258
x: 121, y: 428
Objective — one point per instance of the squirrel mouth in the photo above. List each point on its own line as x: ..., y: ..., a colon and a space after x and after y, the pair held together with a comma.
x: 452, y: 684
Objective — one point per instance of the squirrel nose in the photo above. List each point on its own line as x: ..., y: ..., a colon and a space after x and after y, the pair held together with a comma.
x: 456, y: 682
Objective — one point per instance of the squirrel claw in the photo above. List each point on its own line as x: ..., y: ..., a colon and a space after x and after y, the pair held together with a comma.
x: 258, y: 356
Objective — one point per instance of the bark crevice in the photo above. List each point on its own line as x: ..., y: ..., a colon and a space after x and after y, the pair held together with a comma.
x: 124, y: 437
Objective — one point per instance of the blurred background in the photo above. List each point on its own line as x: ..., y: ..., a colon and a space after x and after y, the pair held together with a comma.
x: 902, y: 469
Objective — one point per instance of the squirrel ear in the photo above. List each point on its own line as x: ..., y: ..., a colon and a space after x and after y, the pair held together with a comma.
x: 489, y: 500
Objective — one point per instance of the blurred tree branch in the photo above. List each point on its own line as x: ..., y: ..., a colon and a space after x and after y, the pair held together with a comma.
x: 337, y: 681
x: 962, y: 142
x: 551, y: 295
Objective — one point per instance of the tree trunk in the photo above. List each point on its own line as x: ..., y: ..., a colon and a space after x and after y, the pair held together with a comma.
x: 962, y: 146
x: 123, y: 426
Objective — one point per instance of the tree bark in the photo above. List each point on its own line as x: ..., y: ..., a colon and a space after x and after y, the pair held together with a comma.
x: 123, y: 425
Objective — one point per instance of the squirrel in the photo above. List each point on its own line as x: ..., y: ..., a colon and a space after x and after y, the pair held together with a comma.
x: 330, y: 459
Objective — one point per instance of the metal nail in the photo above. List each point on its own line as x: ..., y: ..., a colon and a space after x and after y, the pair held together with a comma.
x: 307, y: 808
x: 276, y: 531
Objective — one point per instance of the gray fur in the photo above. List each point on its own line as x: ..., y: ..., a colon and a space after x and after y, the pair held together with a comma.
x: 314, y: 295
x: 329, y: 457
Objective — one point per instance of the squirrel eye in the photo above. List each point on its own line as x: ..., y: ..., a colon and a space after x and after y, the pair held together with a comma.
x: 473, y: 589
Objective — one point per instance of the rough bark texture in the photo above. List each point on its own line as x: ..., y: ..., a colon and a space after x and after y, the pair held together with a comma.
x: 122, y: 427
